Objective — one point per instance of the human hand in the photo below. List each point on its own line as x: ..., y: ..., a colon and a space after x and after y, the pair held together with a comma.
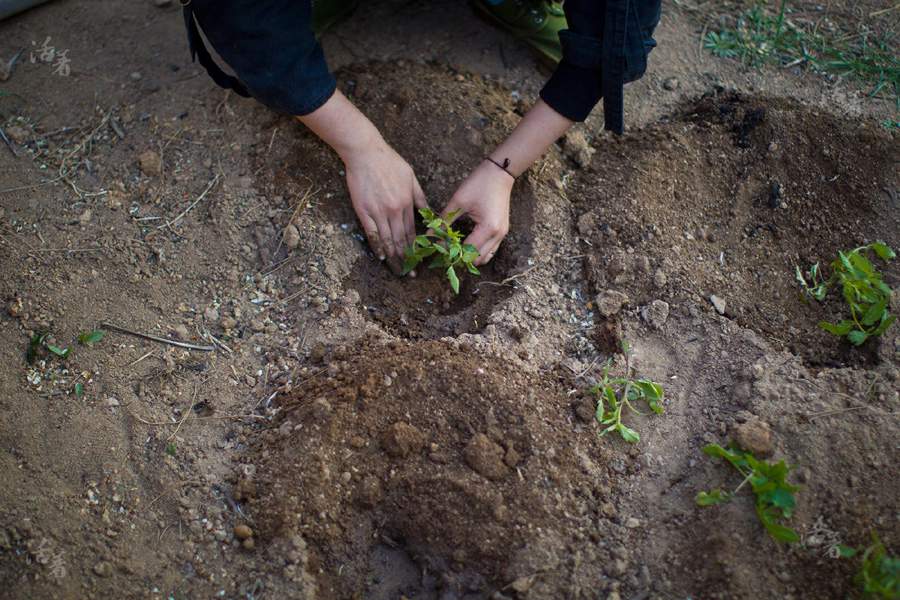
x: 484, y: 198
x: 384, y: 191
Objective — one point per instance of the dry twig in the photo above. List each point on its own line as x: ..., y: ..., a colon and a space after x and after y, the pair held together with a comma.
x: 155, y: 338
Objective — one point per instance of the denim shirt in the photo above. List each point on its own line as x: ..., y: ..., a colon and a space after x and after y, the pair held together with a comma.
x: 277, y: 59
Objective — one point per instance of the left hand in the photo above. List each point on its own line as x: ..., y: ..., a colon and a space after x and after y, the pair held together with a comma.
x: 484, y: 198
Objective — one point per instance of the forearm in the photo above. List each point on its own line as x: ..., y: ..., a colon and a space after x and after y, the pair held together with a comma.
x: 342, y: 126
x: 531, y: 138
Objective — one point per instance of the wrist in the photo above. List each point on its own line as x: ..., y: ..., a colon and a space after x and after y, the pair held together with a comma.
x: 365, y: 141
x: 491, y: 170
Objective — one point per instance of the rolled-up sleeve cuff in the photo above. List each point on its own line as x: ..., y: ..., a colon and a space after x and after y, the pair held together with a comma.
x: 572, y: 91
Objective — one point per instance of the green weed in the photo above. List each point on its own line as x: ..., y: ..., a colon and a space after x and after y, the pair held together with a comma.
x: 879, y: 573
x: 89, y: 338
x: 863, y: 288
x: 774, y: 495
x: 759, y: 35
x: 444, y: 245
x: 38, y: 345
x: 615, y: 393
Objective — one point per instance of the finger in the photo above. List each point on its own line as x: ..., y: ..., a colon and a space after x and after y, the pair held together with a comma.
x: 482, y: 239
x: 409, y: 225
x: 418, y: 195
x: 374, y: 238
x: 452, y: 206
x: 489, y: 255
x: 398, y: 234
x: 395, y: 264
x: 387, y: 241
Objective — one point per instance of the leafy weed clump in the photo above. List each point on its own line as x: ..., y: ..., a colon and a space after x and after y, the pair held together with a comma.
x: 615, y: 393
x: 775, y: 500
x: 867, y: 295
x: 444, y: 245
x: 879, y: 573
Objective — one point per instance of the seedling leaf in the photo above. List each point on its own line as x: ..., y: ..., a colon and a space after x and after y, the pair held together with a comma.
x: 615, y: 393
x: 443, y: 243
x: 711, y: 498
x: 454, y: 280
x: 857, y: 337
x: 883, y: 251
x: 775, y: 499
x: 79, y: 389
x: 866, y: 294
x: 89, y: 338
x: 60, y: 352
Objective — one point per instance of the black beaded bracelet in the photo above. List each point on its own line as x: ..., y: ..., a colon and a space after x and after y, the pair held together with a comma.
x: 504, y: 165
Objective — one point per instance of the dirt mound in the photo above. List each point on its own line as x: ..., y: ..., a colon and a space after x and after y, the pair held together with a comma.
x: 444, y: 123
x: 726, y: 197
x: 428, y: 454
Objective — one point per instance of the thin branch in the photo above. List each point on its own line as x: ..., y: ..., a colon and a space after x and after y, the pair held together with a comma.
x: 155, y: 338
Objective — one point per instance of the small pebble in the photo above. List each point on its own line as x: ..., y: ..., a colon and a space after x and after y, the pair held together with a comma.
x: 242, y: 532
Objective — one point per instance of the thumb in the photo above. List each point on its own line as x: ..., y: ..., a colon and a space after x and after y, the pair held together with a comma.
x: 418, y: 195
x: 454, y: 208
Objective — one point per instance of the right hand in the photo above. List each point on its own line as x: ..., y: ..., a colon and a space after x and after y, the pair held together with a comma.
x: 384, y: 192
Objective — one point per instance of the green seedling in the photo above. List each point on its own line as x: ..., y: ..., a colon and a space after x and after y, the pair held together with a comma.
x: 171, y: 449
x: 89, y: 338
x: 79, y: 390
x: 38, y: 344
x: 879, y: 573
x: 867, y: 295
x: 774, y: 495
x: 444, y: 245
x: 615, y: 393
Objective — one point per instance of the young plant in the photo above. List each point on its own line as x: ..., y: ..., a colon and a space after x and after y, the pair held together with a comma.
x: 444, y: 245
x: 879, y: 573
x: 89, y: 338
x: 615, y: 393
x: 38, y: 345
x: 774, y: 495
x: 867, y: 295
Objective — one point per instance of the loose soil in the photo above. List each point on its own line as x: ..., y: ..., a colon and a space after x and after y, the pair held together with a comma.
x: 347, y: 438
x: 727, y: 197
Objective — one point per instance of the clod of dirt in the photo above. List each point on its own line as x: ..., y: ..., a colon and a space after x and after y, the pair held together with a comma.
x: 754, y: 436
x: 486, y: 457
x: 402, y: 439
x: 150, y: 163
x: 291, y: 237
x: 459, y: 510
x: 577, y: 147
x: 611, y: 302
x: 585, y: 409
x: 17, y: 134
x: 242, y: 532
x: 656, y: 313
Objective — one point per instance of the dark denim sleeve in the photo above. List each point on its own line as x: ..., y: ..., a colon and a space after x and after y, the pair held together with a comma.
x: 272, y: 50
x: 608, y: 38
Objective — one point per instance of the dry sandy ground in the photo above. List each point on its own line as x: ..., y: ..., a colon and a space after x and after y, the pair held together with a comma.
x: 344, y: 434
